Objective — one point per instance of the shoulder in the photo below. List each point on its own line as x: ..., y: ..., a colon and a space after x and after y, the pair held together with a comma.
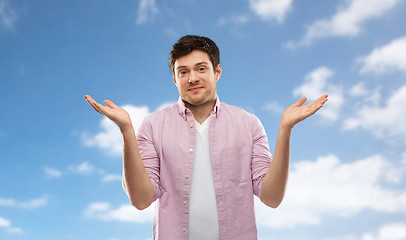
x: 236, y: 111
x: 162, y: 113
x: 239, y: 116
x: 157, y: 118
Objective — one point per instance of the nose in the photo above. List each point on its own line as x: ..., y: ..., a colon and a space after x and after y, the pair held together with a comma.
x: 193, y: 77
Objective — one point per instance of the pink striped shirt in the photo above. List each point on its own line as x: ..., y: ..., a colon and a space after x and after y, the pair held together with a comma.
x: 240, y: 158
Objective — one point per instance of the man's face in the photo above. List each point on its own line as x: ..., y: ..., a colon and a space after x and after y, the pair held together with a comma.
x: 195, y: 79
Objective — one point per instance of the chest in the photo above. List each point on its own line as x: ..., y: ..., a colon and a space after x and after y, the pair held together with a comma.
x: 230, y: 149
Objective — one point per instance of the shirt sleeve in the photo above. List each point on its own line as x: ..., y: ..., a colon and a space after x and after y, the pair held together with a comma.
x: 149, y: 155
x: 261, y: 155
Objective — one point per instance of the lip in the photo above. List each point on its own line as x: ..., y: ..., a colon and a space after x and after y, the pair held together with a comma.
x: 194, y: 89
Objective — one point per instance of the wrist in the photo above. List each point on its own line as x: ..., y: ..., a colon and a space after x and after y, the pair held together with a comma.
x: 286, y: 126
x: 125, y: 130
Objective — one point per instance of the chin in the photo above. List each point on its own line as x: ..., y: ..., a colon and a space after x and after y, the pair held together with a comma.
x: 194, y: 101
x: 198, y: 100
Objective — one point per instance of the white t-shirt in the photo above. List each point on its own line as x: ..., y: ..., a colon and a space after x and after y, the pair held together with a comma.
x: 203, y: 219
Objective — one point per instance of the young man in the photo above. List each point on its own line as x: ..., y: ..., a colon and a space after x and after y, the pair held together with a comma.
x: 203, y: 159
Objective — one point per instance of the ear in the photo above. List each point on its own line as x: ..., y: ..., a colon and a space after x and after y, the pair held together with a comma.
x: 173, y: 77
x: 218, y: 71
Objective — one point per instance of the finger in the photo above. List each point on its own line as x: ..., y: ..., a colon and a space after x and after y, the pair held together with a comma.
x: 317, y: 104
x: 110, y: 104
x: 88, y: 98
x: 100, y: 108
x: 321, y: 100
x: 300, y: 102
x: 94, y: 104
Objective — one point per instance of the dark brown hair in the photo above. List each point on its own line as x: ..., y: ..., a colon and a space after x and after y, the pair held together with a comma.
x: 188, y: 43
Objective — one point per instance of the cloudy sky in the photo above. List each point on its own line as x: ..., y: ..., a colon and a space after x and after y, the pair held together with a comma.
x: 60, y: 164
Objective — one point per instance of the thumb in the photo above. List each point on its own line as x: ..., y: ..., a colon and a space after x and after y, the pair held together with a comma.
x: 300, y: 102
x: 110, y: 103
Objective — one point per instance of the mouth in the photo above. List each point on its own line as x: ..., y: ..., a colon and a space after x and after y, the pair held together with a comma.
x: 194, y: 89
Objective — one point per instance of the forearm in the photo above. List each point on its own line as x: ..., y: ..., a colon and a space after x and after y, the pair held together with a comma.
x: 136, y: 180
x: 275, y: 181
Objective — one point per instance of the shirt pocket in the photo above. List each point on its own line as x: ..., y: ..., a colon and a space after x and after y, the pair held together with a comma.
x: 236, y: 164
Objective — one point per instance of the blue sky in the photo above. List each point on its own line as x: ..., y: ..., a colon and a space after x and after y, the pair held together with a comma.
x: 60, y: 161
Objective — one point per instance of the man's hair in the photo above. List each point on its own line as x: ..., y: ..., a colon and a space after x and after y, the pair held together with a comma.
x: 188, y: 43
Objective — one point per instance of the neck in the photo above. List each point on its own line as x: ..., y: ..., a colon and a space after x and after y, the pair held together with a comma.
x: 201, y: 112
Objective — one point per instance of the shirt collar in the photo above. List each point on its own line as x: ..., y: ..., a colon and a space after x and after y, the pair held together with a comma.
x: 183, y: 110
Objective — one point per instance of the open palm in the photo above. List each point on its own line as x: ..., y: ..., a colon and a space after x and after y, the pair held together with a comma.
x: 297, y: 112
x: 118, y: 115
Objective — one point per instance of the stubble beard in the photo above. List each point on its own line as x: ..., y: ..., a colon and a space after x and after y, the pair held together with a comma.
x: 202, y: 100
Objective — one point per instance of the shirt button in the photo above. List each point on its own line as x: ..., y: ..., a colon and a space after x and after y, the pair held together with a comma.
x: 187, y: 176
x: 190, y: 149
x: 184, y: 229
x: 185, y: 202
x: 191, y: 125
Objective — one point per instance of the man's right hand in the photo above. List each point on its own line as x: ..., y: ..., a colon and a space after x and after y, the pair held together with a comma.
x: 118, y: 115
x: 136, y: 181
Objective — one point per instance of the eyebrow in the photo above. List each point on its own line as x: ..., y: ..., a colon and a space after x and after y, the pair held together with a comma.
x: 197, y: 64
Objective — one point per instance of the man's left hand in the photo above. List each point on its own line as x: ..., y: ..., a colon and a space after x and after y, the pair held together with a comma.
x: 297, y: 113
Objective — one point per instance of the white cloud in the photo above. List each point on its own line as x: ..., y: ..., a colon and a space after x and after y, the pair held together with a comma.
x: 367, y: 96
x: 52, y: 172
x: 386, y: 121
x: 239, y: 19
x: 8, y: 15
x: 393, y: 231
x: 347, y: 21
x: 358, y: 90
x: 124, y: 213
x: 315, y: 85
x: 273, y: 107
x: 111, y: 177
x: 34, y: 203
x: 388, y: 58
x: 84, y: 168
x: 15, y: 230
x: 329, y: 187
x: 271, y: 9
x: 146, y: 10
x: 7, y: 202
x: 29, y: 204
x: 110, y: 139
x: 4, y: 222
x: 87, y: 169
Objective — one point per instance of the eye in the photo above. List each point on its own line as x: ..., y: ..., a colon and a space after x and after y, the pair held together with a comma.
x: 202, y: 69
x: 182, y: 73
